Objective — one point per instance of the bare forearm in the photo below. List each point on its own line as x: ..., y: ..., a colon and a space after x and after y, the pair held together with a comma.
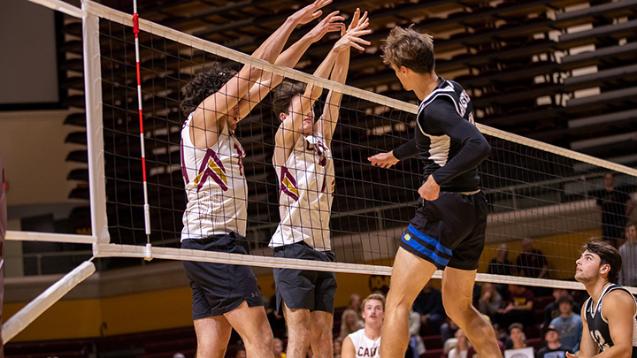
x: 271, y: 48
x: 313, y: 92
x: 615, y: 352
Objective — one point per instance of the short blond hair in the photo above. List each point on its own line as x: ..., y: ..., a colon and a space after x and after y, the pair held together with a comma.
x: 374, y: 296
x: 407, y: 47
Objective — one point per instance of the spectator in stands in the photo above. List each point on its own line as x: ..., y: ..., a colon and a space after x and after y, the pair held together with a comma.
x: 500, y: 264
x: 568, y: 324
x: 616, y: 207
x: 338, y: 346
x: 531, y: 262
x: 519, y: 307
x: 241, y: 353
x: 461, y: 349
x: 517, y: 338
x: 428, y: 305
x: 350, y: 323
x: 416, y: 345
x: 448, y: 330
x: 275, y: 318
x: 552, y: 310
x: 277, y: 345
x: 355, y: 303
x: 490, y: 300
x: 552, y: 347
x: 628, y: 252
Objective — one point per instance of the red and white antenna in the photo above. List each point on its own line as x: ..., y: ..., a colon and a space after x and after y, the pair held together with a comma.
x: 147, y: 254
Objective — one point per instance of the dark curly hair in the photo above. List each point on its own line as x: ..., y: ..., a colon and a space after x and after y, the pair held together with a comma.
x: 204, y: 84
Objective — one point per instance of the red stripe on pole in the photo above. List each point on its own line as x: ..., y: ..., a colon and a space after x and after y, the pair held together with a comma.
x: 136, y: 24
x: 141, y: 123
x: 144, y: 169
x: 139, y: 75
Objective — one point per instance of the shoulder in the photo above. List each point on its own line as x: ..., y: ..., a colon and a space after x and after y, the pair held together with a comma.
x: 618, y: 301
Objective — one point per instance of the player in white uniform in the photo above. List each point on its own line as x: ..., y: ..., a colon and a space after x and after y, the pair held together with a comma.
x: 365, y: 343
x: 303, y: 162
x: 226, y: 296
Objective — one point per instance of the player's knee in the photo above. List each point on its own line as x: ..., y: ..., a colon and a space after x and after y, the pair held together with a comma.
x: 457, y: 310
x: 207, y: 347
x: 299, y: 330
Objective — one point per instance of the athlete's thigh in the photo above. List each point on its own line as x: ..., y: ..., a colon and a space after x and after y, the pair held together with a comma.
x: 409, y: 274
x: 457, y: 285
x: 213, y: 332
x: 249, y: 321
x: 321, y: 322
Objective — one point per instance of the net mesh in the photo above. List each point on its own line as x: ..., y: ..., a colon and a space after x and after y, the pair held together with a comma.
x: 532, y: 193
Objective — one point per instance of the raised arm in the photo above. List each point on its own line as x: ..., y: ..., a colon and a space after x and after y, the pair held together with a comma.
x: 290, y: 129
x: 204, y: 126
x: 327, y: 123
x: 289, y: 58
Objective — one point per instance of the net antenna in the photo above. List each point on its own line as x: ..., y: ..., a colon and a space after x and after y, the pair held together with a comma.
x: 148, y: 255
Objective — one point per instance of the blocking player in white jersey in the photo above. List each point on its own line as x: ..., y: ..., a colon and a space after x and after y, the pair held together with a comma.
x: 365, y: 343
x: 303, y: 162
x: 226, y: 296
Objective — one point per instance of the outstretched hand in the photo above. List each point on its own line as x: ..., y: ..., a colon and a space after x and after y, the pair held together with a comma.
x: 383, y: 160
x: 352, y: 37
x: 331, y: 23
x: 310, y: 12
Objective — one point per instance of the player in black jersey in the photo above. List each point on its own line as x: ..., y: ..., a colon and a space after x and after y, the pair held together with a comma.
x: 448, y: 230
x: 609, y: 314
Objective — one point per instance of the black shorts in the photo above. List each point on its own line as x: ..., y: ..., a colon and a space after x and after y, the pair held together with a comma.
x: 312, y: 290
x: 220, y: 288
x: 449, y: 231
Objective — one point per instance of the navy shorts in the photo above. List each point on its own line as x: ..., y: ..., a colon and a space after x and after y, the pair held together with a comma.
x: 220, y: 288
x: 312, y: 290
x: 449, y: 231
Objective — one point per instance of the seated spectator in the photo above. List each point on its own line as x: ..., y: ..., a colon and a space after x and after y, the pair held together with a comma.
x: 416, y: 345
x: 552, y: 347
x: 355, y: 305
x: 552, y: 310
x: 490, y: 299
x: 500, y: 264
x: 519, y: 307
x: 531, y: 262
x: 278, y: 350
x: 448, y: 330
x: 568, y: 324
x: 349, y: 323
x: 337, y: 346
x: 275, y: 318
x: 429, y: 305
x: 628, y: 252
x: 461, y: 348
x: 366, y: 341
x: 517, y: 338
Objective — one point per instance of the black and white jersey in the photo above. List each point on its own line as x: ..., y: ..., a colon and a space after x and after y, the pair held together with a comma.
x: 598, y: 325
x: 448, y: 140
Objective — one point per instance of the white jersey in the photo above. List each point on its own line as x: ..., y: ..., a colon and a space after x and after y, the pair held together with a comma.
x: 306, y: 188
x: 364, y: 346
x: 216, y: 187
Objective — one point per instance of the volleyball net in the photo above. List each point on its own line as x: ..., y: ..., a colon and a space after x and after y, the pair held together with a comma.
x: 535, y: 190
